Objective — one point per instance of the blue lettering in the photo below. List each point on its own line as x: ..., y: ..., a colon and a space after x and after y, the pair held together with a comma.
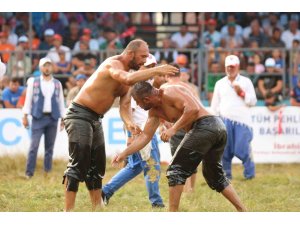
x: 2, y: 126
x: 112, y: 131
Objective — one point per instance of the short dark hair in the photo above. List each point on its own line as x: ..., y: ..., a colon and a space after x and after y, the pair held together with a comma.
x: 142, y: 89
x: 177, y: 66
x: 15, y: 80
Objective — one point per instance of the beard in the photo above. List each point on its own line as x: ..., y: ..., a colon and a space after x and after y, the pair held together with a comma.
x: 47, y: 73
x: 133, y: 65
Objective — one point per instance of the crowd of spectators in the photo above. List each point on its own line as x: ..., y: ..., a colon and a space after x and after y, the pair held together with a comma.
x: 266, y: 43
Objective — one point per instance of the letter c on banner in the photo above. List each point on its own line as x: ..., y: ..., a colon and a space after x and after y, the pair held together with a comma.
x: 2, y: 126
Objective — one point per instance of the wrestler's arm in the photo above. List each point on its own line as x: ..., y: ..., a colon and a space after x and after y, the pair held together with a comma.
x: 141, y: 141
x: 117, y: 73
x: 126, y: 113
x: 183, y: 101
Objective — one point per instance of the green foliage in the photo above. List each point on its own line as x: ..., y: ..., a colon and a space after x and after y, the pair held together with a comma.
x: 275, y: 188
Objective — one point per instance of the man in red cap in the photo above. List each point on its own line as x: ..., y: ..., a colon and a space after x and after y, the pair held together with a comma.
x: 53, y: 52
x: 211, y: 36
x: 87, y: 36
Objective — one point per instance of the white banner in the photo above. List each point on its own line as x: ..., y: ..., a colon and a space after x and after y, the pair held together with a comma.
x: 276, y: 138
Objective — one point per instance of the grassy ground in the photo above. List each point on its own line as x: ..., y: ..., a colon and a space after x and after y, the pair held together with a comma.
x: 275, y: 188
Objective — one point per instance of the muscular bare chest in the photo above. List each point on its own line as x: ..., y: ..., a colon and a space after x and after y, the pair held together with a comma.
x: 168, y: 113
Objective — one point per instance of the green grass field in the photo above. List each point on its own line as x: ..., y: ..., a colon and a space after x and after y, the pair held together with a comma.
x: 275, y: 189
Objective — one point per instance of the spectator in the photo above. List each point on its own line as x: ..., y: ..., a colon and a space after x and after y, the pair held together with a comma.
x: 44, y: 47
x: 22, y: 23
x: 62, y: 66
x: 271, y: 102
x: 72, y: 35
x: 292, y: 33
x: 231, y: 20
x: 214, y: 74
x: 295, y: 95
x: 255, y: 33
x: 5, y: 47
x: 112, y: 41
x: 93, y: 43
x: 55, y: 23
x: 183, y: 38
x: 258, y: 66
x: 84, y: 53
x: 47, y: 43
x: 166, y: 55
x: 91, y: 23
x: 233, y: 95
x: 53, y: 52
x: 276, y: 55
x: 11, y: 94
x: 23, y: 42
x: 274, y: 41
x: 271, y: 23
x: 19, y: 64
x: 270, y: 81
x: 80, y: 80
x: 45, y: 102
x: 12, y: 37
x: 211, y: 37
x: 250, y: 71
x: 88, y: 69
x: 231, y: 39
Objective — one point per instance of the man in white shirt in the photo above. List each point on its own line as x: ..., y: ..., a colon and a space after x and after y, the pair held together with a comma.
x: 53, y: 52
x: 233, y: 95
x: 291, y: 34
x: 45, y: 103
x: 183, y: 38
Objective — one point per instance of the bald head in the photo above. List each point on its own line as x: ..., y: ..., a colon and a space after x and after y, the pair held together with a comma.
x: 136, y: 53
x: 135, y: 45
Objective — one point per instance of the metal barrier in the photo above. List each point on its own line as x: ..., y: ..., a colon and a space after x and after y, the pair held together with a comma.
x: 199, y: 61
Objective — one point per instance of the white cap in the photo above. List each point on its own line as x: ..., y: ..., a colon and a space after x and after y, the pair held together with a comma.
x: 43, y: 61
x: 150, y: 60
x: 232, y: 60
x: 49, y: 32
x: 270, y: 62
x: 23, y: 38
x: 2, y: 69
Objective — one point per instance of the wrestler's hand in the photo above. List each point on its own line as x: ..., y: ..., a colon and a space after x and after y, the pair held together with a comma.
x: 166, y: 135
x: 62, y: 125
x: 167, y: 70
x: 117, y: 159
x: 133, y: 128
x: 25, y: 122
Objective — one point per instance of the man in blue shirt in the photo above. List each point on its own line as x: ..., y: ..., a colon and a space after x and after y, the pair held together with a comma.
x: 11, y: 94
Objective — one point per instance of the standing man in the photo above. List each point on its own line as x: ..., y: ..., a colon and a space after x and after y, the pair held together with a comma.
x: 86, y: 140
x: 204, y: 140
x: 146, y: 160
x: 233, y: 96
x: 45, y: 102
